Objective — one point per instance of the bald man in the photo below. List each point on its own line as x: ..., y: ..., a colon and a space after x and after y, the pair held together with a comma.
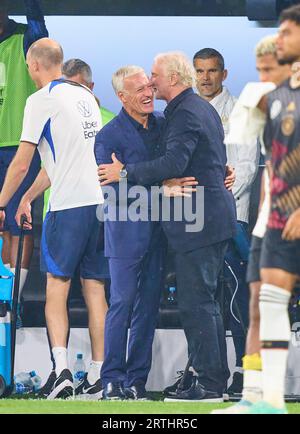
x: 15, y: 87
x: 61, y: 120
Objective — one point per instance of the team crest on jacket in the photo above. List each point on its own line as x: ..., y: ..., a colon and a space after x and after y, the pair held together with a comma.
x: 288, y: 125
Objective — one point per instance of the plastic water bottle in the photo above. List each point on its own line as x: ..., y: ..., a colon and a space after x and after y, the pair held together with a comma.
x: 23, y: 383
x: 78, y: 370
x: 35, y: 380
x: 171, y: 295
x: 21, y: 389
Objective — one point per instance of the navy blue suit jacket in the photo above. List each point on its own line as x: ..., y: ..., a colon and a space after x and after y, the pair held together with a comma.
x: 193, y: 141
x: 124, y: 239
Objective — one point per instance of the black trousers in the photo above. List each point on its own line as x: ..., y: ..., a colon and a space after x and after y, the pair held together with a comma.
x: 197, y: 278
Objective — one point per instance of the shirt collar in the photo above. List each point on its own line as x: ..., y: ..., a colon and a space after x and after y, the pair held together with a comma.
x: 9, y: 30
x: 221, y: 98
x: 136, y: 124
x: 175, y: 101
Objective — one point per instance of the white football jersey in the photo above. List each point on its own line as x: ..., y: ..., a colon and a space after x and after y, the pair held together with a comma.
x: 62, y: 119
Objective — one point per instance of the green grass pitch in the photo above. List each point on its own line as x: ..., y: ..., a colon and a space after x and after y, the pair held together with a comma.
x: 34, y: 406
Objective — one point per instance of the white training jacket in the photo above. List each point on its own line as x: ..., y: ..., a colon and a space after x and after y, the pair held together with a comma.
x: 244, y: 159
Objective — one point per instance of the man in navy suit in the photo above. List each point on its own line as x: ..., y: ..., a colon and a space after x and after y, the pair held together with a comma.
x: 135, y: 248
x: 193, y: 146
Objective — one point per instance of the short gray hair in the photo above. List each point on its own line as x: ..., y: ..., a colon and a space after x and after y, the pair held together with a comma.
x: 266, y: 45
x: 122, y: 73
x: 178, y: 62
x: 77, y: 66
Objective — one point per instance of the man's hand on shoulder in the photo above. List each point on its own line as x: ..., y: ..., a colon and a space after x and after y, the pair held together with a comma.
x: 108, y: 173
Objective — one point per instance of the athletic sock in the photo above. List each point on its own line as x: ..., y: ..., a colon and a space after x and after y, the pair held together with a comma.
x: 275, y: 336
x: 23, y: 277
x: 94, y: 372
x: 60, y: 357
x: 7, y: 266
x: 252, y: 388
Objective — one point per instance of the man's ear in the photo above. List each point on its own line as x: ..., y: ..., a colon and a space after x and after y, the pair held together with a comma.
x: 122, y: 97
x: 225, y: 74
x: 35, y: 66
x: 173, y: 79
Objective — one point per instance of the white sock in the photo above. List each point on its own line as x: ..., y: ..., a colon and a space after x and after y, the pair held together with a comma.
x: 94, y: 371
x: 252, y: 386
x: 274, y: 335
x: 23, y: 277
x: 60, y: 357
x: 7, y: 266
x: 274, y: 369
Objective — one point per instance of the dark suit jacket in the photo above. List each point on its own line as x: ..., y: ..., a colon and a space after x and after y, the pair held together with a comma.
x: 193, y: 140
x: 127, y: 239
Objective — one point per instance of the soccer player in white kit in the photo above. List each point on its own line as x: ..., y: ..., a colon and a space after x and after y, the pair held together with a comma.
x: 62, y: 119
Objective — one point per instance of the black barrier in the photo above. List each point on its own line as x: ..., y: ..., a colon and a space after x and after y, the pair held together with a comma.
x: 138, y: 7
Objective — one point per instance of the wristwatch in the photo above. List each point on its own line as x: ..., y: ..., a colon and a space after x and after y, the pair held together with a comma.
x: 123, y: 174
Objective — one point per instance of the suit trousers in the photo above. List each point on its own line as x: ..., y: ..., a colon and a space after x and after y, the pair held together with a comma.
x: 197, y: 280
x: 135, y: 293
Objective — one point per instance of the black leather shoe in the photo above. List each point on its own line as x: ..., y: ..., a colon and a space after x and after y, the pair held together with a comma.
x: 196, y: 392
x: 237, y: 384
x: 113, y: 392
x: 172, y: 390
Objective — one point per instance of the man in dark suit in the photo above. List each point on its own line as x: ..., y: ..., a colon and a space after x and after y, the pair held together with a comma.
x: 193, y: 146
x: 135, y: 248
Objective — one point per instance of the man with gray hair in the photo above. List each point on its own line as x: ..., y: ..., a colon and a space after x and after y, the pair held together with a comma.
x: 135, y: 248
x: 79, y: 71
x: 192, y: 140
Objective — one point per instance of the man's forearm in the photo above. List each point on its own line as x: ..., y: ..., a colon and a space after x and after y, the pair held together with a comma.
x: 36, y: 23
x: 41, y: 183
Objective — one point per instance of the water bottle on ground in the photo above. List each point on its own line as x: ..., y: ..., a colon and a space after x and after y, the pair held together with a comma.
x: 79, y: 369
x: 36, y: 381
x: 23, y: 383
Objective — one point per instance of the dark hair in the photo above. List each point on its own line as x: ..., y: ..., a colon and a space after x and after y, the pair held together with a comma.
x: 209, y: 53
x: 292, y: 14
x: 77, y: 66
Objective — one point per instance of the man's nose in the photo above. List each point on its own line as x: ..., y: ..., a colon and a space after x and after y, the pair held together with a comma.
x: 206, y: 75
x: 264, y: 77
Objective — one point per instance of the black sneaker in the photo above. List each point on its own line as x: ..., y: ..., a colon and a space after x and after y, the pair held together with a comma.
x: 113, y: 392
x: 171, y: 390
x: 88, y: 391
x: 196, y: 393
x: 136, y: 392
x: 63, y: 387
x: 236, y: 385
x: 46, y: 389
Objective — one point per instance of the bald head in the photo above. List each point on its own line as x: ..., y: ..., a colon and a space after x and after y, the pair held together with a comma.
x: 47, y: 53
